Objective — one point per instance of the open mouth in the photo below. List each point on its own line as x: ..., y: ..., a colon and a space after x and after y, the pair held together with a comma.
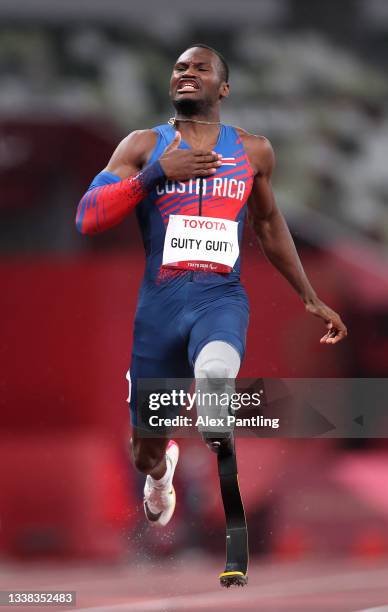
x: 187, y: 86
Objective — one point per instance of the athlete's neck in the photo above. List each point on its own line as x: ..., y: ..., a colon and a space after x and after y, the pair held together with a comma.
x: 206, y: 114
x: 199, y: 135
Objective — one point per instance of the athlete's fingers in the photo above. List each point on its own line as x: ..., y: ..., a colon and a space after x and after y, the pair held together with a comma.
x: 337, y: 332
x: 174, y: 144
x: 200, y: 172
x: 199, y: 152
x: 199, y: 161
x: 205, y: 165
x: 208, y: 155
x: 336, y: 328
x: 328, y: 335
x: 332, y: 338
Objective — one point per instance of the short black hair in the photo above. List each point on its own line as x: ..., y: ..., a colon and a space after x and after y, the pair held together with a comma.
x: 224, y: 73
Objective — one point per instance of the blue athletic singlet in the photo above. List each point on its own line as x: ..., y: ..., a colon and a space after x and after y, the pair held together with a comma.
x: 180, y: 311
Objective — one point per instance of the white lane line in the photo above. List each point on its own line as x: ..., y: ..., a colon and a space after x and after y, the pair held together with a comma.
x: 304, y: 586
x: 380, y: 609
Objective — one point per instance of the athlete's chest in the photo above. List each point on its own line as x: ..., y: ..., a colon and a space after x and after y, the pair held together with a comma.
x: 234, y: 187
x: 221, y: 195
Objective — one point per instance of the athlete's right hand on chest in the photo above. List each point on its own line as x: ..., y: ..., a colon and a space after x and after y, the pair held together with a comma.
x: 181, y: 164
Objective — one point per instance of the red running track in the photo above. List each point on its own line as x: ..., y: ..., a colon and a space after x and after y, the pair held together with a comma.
x: 190, y: 584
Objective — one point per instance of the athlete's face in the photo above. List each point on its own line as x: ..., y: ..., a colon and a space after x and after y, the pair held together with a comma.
x: 196, y: 79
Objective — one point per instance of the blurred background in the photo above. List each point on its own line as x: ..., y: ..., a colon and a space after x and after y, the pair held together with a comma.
x: 77, y: 77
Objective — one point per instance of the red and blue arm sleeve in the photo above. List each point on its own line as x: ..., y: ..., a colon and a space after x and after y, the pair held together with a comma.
x: 109, y: 198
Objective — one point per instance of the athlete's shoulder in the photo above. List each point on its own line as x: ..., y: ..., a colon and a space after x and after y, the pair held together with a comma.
x: 140, y: 138
x: 259, y: 150
x: 147, y: 136
x: 132, y: 153
x: 255, y: 140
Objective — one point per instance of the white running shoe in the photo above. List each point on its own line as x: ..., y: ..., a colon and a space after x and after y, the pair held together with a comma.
x: 161, y: 499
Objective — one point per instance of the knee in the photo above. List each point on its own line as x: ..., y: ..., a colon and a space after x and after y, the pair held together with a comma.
x: 214, y: 368
x: 217, y: 360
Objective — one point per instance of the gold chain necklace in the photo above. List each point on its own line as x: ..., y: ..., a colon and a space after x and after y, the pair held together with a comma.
x: 173, y: 121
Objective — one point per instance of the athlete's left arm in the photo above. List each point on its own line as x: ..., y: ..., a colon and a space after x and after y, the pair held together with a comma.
x: 277, y: 243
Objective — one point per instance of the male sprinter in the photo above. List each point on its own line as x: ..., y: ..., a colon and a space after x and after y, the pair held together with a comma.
x: 191, y: 182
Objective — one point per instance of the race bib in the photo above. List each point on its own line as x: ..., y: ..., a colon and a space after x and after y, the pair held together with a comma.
x: 201, y: 243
